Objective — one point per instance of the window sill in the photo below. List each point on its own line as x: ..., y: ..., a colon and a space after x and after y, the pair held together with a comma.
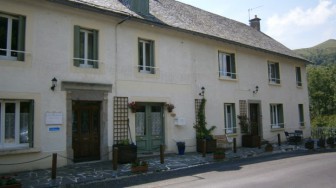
x: 227, y: 79
x: 232, y: 134
x: 274, y: 84
x: 15, y: 151
x: 299, y: 87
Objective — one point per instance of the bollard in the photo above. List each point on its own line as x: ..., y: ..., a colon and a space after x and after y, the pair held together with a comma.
x: 279, y: 140
x: 204, y: 148
x: 54, y: 166
x: 234, y: 145
x: 115, y: 158
x: 162, y: 153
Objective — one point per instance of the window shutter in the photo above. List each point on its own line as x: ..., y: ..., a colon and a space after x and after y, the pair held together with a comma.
x: 139, y: 55
x: 152, y: 63
x: 31, y: 125
x: 95, y: 49
x: 21, y: 38
x: 281, y: 116
x: 269, y: 72
x: 233, y: 67
x: 277, y: 69
x: 76, y: 45
x: 225, y: 117
x: 234, y: 119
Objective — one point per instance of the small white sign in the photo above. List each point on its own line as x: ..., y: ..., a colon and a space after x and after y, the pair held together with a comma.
x: 54, y: 118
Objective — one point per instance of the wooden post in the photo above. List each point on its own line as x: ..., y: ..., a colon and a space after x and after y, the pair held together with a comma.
x: 162, y: 153
x: 54, y: 166
x: 115, y: 158
x: 234, y: 145
x: 204, y: 148
x: 279, y: 140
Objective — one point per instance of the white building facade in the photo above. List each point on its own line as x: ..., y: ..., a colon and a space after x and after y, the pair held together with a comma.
x: 104, y: 58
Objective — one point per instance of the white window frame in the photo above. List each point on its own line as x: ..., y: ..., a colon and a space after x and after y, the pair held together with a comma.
x: 273, y: 73
x: 144, y: 66
x: 16, y: 143
x: 275, y: 116
x: 223, y: 65
x: 85, y: 59
x: 298, y: 76
x: 229, y: 115
x: 8, y: 55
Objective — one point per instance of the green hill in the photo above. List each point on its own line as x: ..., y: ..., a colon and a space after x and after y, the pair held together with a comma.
x: 321, y: 54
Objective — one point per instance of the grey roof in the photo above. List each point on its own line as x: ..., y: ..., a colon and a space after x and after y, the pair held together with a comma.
x: 187, y: 18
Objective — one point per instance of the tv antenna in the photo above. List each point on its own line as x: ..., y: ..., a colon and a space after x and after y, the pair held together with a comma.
x: 250, y: 9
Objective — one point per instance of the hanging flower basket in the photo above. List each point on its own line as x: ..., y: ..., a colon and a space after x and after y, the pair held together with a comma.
x: 170, y: 107
x: 133, y: 106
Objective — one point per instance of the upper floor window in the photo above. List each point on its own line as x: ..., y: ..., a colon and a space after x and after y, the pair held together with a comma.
x: 301, y: 115
x: 230, y: 118
x: 12, y: 37
x: 16, y: 123
x: 227, y: 66
x: 146, y: 56
x: 273, y: 73
x: 85, y: 48
x: 298, y: 76
x: 277, y: 118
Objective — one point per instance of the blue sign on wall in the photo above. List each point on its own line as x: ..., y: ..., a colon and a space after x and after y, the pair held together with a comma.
x: 54, y: 129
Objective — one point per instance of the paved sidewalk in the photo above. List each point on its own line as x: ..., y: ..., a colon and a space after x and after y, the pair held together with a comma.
x: 98, y: 171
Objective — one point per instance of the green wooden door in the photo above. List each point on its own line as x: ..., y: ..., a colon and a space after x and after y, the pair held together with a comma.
x: 149, y: 127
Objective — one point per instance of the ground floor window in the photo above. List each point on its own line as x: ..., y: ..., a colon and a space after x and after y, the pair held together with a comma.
x: 230, y: 118
x: 277, y: 119
x: 16, y: 123
x: 301, y: 116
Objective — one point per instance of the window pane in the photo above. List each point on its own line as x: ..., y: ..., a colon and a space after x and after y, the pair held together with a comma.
x: 15, y: 35
x: 141, y: 55
x: 147, y: 56
x: 10, y: 123
x: 81, y: 46
x: 228, y: 65
x: 90, y: 48
x: 24, y: 121
x: 3, y: 35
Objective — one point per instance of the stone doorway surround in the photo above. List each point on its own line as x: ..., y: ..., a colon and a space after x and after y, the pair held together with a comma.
x: 87, y: 92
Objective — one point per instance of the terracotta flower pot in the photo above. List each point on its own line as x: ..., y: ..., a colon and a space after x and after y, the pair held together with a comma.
x: 139, y: 169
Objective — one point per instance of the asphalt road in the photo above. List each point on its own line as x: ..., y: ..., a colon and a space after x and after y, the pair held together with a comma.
x: 286, y: 170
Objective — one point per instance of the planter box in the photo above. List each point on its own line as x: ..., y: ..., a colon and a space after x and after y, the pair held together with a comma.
x: 210, y: 145
x: 251, y: 141
x: 139, y: 169
x: 126, y: 153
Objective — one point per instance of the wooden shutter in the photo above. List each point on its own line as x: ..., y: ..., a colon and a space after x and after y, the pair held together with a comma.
x: 233, y: 67
x: 95, y: 49
x: 76, y: 45
x: 277, y: 70
x: 152, y: 63
x: 21, y: 38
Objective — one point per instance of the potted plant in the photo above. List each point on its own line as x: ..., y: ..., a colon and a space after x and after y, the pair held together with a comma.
x: 133, y: 106
x: 204, y: 134
x: 248, y: 139
x: 219, y: 154
x: 139, y: 166
x: 309, y: 144
x: 269, y: 147
x: 180, y: 147
x: 170, y: 107
x: 127, y: 153
x: 9, y: 182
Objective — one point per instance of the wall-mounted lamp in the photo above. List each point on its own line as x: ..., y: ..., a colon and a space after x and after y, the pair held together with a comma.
x: 53, y: 83
x: 202, y: 92
x: 256, y: 90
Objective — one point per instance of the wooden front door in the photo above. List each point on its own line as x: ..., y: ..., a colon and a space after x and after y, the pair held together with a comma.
x: 86, y: 131
x: 149, y: 127
x: 254, y: 118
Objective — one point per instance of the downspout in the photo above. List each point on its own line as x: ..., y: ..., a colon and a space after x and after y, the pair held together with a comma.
x: 116, y: 51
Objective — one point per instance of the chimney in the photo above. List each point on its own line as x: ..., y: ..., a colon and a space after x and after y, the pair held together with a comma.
x: 255, y: 23
x: 140, y: 6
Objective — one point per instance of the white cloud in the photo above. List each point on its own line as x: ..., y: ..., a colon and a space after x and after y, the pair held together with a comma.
x: 298, y: 21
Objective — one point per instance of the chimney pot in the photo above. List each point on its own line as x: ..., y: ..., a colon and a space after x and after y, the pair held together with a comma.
x: 255, y: 23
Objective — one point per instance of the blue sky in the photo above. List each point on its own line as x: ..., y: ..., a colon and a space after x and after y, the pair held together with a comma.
x: 294, y: 23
